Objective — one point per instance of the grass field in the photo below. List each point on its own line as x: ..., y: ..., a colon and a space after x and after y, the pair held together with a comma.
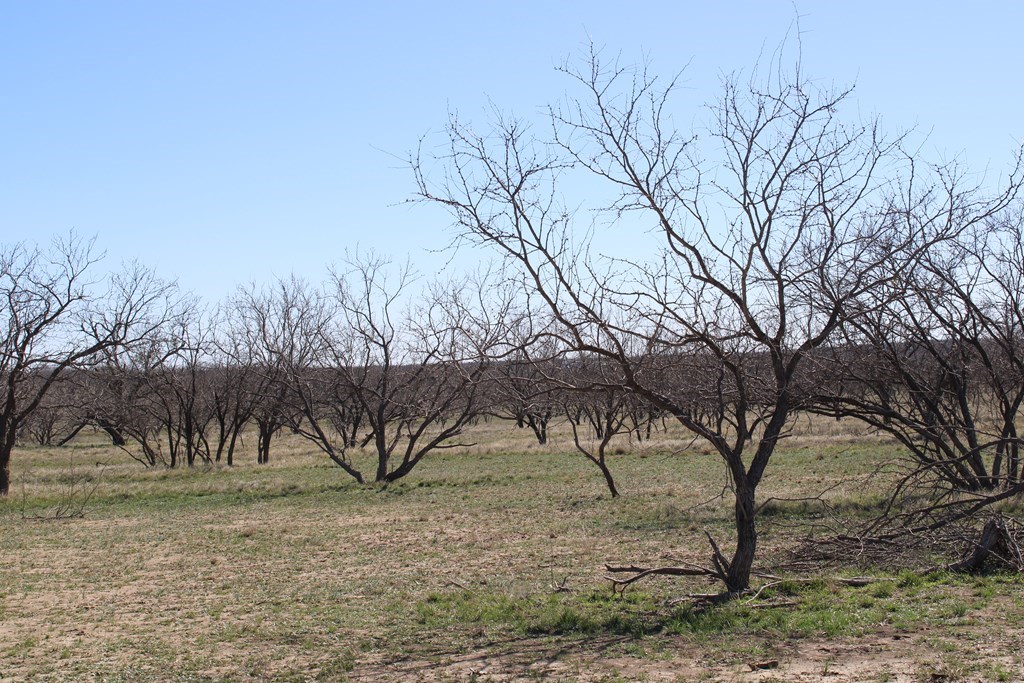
x: 483, y: 564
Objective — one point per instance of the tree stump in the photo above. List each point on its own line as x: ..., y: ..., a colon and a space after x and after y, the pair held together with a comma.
x: 996, y: 547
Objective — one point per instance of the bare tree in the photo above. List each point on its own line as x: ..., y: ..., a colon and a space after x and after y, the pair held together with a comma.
x: 181, y: 393
x: 768, y: 247
x: 269, y: 332
x: 118, y: 396
x: 524, y: 392
x: 155, y: 394
x: 414, y: 366
x: 365, y: 353
x: 276, y: 331
x: 233, y: 387
x: 56, y: 317
x: 1000, y: 320
x: 940, y: 366
x: 596, y: 416
x: 53, y: 421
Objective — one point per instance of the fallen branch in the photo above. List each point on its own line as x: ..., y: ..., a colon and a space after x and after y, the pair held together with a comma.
x: 644, y: 572
x: 860, y: 581
x: 762, y: 589
x: 700, y: 600
x: 718, y: 560
x: 769, y: 605
x: 562, y: 586
x: 855, y: 582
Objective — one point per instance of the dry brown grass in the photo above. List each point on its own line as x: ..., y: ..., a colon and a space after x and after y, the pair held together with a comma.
x: 291, y: 572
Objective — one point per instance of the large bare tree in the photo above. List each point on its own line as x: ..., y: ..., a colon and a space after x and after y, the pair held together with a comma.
x: 772, y: 223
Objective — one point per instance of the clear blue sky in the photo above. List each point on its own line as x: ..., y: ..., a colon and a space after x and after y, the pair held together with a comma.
x: 222, y: 142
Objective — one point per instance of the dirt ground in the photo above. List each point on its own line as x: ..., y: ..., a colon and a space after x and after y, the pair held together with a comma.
x: 883, y: 656
x: 287, y: 573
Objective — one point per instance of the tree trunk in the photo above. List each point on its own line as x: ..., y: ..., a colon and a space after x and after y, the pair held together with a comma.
x: 5, y: 470
x: 116, y: 437
x: 73, y: 434
x: 396, y: 473
x: 738, y: 577
x: 608, y: 479
x: 222, y: 437
x: 231, y: 449
x: 539, y: 426
x: 266, y: 433
x: 996, y: 544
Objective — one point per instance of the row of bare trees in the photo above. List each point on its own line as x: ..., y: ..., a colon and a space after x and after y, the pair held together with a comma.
x: 294, y: 359
x: 351, y: 366
x: 368, y: 362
